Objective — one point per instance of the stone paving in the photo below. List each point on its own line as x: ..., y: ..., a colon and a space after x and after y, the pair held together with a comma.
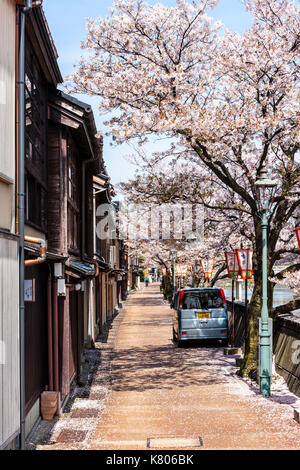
x: 73, y: 429
x: 148, y: 394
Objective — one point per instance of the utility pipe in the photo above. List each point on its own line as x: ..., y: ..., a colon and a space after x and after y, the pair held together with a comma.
x: 50, y: 333
x: 55, y: 336
x: 21, y: 204
x: 21, y: 200
x: 17, y: 114
x: 43, y: 245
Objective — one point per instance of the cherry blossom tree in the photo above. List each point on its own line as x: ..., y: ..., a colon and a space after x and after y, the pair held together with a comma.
x: 230, y: 102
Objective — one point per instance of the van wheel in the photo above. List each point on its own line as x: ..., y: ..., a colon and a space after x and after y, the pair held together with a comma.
x: 179, y: 344
x: 224, y: 343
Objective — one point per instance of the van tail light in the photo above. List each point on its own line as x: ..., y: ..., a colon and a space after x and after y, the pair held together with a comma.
x: 223, y: 296
x: 181, y: 299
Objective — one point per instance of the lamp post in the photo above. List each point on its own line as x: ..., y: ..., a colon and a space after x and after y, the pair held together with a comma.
x: 245, y: 260
x: 233, y: 272
x: 265, y: 188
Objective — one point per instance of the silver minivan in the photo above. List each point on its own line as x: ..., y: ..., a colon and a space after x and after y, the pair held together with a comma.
x: 200, y: 314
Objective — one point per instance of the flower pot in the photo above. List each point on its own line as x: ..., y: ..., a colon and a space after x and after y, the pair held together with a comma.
x: 49, y: 405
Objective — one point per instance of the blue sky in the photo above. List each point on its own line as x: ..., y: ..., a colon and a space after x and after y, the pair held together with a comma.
x: 66, y: 19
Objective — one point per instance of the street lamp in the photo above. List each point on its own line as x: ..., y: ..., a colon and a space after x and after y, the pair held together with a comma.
x: 265, y: 188
x: 245, y: 260
x: 180, y: 273
x: 232, y: 264
x: 207, y: 265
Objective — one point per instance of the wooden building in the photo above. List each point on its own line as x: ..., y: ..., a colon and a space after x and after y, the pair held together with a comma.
x: 42, y: 76
x: 77, y: 288
x: 74, y: 282
x: 62, y: 155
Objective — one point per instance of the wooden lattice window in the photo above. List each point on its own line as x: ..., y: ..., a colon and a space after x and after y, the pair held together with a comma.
x: 35, y: 112
x: 73, y: 201
x: 36, y: 203
x: 35, y: 141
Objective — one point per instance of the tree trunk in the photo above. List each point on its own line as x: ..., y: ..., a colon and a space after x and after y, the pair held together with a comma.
x: 168, y: 288
x: 250, y: 362
x: 251, y: 334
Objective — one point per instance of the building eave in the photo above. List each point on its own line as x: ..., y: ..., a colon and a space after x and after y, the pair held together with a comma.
x: 75, y: 114
x: 38, y: 30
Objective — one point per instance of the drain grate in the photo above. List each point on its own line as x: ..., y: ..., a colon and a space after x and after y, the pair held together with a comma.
x: 171, y: 442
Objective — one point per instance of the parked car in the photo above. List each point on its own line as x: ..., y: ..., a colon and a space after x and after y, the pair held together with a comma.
x: 200, y: 314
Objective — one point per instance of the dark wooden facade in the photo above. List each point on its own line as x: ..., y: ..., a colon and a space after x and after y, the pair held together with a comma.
x: 76, y: 289
x: 41, y: 77
x: 64, y: 172
x: 71, y: 143
x: 60, y: 138
x: 36, y: 337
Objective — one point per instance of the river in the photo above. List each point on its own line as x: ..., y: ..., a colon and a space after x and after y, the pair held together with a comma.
x: 282, y: 295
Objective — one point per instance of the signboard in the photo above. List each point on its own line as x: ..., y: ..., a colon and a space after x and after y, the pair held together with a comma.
x: 245, y: 260
x: 232, y: 264
x: 181, y: 270
x: 208, y: 267
x: 29, y: 290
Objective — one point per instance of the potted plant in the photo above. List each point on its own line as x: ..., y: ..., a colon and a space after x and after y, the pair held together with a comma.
x: 49, y: 404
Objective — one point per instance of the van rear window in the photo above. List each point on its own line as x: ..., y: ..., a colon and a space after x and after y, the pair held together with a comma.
x: 202, y: 300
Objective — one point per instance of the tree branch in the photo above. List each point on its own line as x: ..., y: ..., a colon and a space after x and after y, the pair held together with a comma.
x: 286, y: 308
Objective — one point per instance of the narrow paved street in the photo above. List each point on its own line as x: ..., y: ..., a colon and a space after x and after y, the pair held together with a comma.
x: 163, y: 397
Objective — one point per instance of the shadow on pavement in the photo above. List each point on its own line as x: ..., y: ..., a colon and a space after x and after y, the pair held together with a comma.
x: 166, y: 367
